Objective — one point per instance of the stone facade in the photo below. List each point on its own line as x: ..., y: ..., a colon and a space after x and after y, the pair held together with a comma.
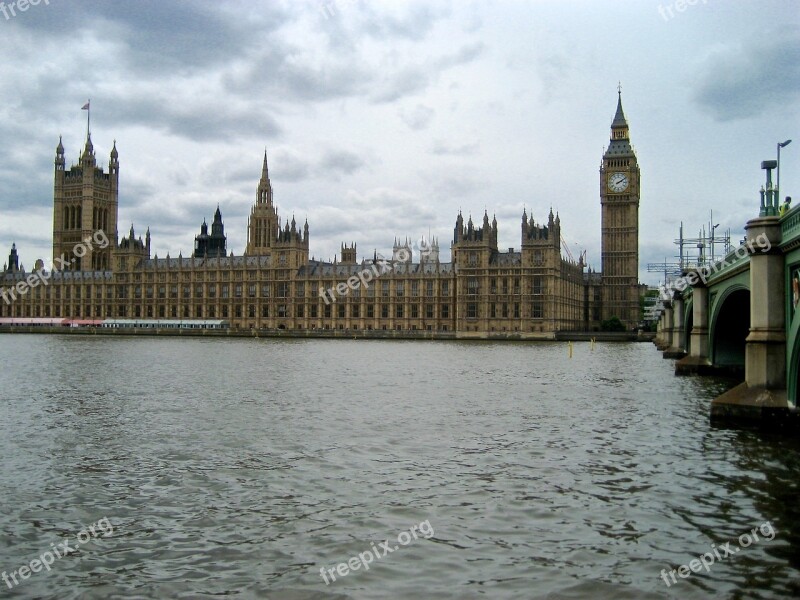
x: 528, y: 292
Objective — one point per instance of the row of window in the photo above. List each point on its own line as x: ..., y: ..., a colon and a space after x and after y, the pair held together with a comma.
x: 537, y: 258
x: 313, y: 311
x: 219, y: 275
x: 537, y: 286
x: 505, y: 310
x: 281, y: 289
x: 383, y: 311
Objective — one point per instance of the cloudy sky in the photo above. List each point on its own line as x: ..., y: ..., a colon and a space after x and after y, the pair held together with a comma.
x: 384, y: 119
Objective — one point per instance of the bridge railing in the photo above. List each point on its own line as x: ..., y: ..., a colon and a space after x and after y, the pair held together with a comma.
x: 729, y: 261
x: 790, y: 226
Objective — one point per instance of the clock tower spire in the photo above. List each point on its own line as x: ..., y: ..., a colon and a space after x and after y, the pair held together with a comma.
x: 619, y: 200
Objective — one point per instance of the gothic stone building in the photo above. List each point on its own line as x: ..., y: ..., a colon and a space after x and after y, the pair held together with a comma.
x: 529, y: 292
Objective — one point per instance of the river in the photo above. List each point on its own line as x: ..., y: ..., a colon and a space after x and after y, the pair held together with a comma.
x: 196, y: 468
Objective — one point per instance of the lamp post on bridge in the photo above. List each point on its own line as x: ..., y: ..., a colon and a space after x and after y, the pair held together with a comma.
x: 778, y: 174
x: 769, y: 196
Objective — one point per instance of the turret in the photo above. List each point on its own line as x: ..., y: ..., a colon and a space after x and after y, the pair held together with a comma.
x: 348, y: 254
x: 524, y: 224
x: 113, y: 162
x: 458, y: 231
x: 213, y: 245
x: 402, y: 252
x: 217, y: 228
x: 13, y: 260
x: 87, y: 158
x: 59, y: 162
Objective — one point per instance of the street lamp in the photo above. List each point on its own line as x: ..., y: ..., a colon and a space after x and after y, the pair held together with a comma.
x: 713, y: 241
x: 778, y: 183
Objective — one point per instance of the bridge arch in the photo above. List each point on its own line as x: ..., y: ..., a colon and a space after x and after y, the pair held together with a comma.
x: 729, y: 327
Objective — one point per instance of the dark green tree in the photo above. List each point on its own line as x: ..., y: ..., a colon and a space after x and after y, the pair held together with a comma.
x: 612, y: 324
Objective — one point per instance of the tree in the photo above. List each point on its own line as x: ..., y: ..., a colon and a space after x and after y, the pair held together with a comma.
x: 612, y: 324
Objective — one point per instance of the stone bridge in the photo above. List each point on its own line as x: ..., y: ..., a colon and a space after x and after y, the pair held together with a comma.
x: 739, y: 316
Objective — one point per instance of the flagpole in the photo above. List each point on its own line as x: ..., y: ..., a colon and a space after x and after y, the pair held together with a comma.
x: 88, y: 117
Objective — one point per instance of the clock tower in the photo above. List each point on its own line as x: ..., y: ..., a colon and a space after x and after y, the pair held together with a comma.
x: 619, y: 200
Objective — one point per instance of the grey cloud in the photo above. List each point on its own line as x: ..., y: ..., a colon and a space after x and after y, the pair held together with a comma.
x: 209, y: 119
x: 341, y: 161
x: 418, y: 117
x: 441, y: 148
x: 404, y: 82
x: 162, y: 36
x: 463, y: 55
x: 282, y: 71
x: 749, y: 79
x: 415, y: 25
x: 287, y: 166
x: 412, y: 79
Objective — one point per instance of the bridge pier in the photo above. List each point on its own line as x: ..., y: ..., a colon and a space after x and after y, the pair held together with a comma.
x: 763, y: 394
x: 676, y: 347
x: 666, y: 329
x: 659, y: 339
x: 697, y: 360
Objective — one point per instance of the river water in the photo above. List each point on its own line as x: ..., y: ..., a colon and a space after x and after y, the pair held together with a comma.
x: 250, y: 468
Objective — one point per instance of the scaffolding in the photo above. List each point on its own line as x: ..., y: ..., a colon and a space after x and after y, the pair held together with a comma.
x: 706, y: 244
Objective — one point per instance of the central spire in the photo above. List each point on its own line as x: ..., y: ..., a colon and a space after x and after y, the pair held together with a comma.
x: 264, y: 195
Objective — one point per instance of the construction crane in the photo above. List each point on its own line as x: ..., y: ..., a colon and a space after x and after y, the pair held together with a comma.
x: 565, y: 246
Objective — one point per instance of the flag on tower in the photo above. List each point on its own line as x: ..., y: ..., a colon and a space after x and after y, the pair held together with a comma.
x: 85, y: 106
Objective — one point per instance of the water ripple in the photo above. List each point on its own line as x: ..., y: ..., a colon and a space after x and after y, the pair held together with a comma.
x: 243, y: 467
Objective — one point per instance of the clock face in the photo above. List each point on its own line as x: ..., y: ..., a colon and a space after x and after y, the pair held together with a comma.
x: 617, y: 182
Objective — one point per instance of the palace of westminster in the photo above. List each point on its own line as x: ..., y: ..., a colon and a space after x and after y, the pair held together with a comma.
x: 532, y: 292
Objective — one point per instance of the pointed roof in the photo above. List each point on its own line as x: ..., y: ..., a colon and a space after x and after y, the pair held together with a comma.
x: 620, y: 144
x: 619, y: 117
x: 265, y: 167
